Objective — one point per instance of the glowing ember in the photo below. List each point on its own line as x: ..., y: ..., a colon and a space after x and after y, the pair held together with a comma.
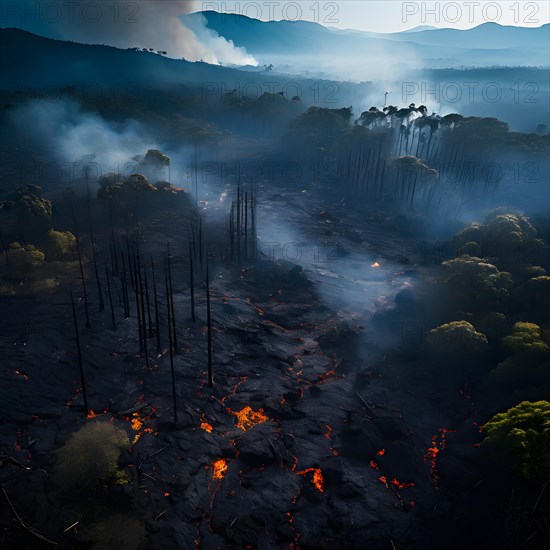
x: 136, y: 422
x: 317, y: 478
x: 400, y: 485
x: 219, y: 469
x: 205, y: 425
x: 22, y: 375
x: 394, y: 483
x: 92, y: 414
x: 376, y: 264
x: 166, y: 494
x: 439, y: 442
x: 247, y: 418
x: 381, y: 452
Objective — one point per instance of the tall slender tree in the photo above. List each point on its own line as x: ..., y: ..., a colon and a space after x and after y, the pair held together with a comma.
x: 170, y: 350
x: 209, y: 329
x: 79, y: 355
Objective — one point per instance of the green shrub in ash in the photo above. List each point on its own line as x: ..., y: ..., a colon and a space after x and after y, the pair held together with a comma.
x: 523, y: 433
x: 474, y: 284
x: 60, y: 245
x: 23, y: 261
x: 525, y: 337
x: 26, y: 215
x: 456, y: 338
x: 90, y: 457
x: 529, y: 363
x: 509, y: 238
x: 534, y: 296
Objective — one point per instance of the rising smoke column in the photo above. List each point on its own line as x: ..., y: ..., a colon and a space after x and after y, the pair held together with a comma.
x: 156, y: 24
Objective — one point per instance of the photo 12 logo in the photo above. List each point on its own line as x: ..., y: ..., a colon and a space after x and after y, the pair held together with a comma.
x: 319, y: 12
x: 61, y: 11
x: 526, y: 13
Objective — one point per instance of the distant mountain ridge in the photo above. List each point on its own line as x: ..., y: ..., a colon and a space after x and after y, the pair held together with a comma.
x: 484, y: 45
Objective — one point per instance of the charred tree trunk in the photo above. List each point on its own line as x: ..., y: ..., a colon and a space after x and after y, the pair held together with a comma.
x: 79, y: 355
x: 94, y: 257
x: 170, y: 350
x: 83, y: 281
x: 157, y: 316
x: 209, y: 328
x: 171, y: 294
x: 191, y: 285
x: 142, y: 305
x: 148, y: 302
x: 109, y: 294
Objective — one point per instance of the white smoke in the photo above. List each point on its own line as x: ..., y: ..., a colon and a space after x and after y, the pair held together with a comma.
x: 73, y: 138
x: 151, y: 24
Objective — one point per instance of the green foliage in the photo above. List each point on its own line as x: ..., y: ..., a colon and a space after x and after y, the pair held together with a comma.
x: 525, y: 337
x: 529, y: 363
x: 534, y: 295
x: 509, y: 230
x: 320, y: 126
x: 524, y: 432
x: 508, y: 237
x: 457, y: 337
x: 476, y: 284
x: 59, y: 245
x: 22, y: 261
x: 90, y: 457
x: 494, y: 324
x: 26, y: 215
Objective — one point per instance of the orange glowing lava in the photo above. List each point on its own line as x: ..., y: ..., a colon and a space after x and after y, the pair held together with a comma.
x: 400, y: 485
x: 136, y: 422
x: 219, y: 469
x: 205, y: 425
x: 439, y: 442
x: 248, y: 418
x: 317, y: 478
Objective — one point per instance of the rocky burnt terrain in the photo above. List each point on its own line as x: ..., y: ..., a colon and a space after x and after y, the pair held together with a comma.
x: 317, y: 433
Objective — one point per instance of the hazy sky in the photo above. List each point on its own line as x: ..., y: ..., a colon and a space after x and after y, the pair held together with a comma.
x: 391, y: 15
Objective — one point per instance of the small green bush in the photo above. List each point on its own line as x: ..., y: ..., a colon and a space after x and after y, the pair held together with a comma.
x: 525, y: 337
x: 59, y: 245
x: 22, y: 261
x: 90, y: 457
x: 457, y: 337
x: 475, y: 283
x: 523, y: 432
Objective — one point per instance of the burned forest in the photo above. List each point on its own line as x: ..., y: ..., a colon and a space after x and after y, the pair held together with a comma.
x: 255, y: 296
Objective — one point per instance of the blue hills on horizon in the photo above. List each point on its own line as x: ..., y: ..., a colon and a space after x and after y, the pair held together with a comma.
x: 488, y: 44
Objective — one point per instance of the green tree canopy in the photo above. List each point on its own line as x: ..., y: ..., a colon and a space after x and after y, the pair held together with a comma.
x: 524, y: 432
x: 456, y: 337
